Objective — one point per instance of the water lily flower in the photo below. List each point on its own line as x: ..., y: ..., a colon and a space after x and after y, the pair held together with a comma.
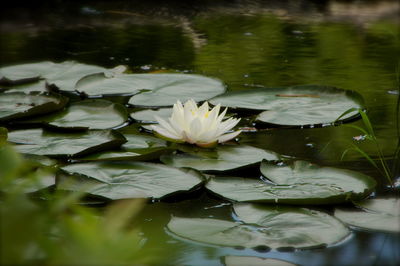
x: 196, y: 125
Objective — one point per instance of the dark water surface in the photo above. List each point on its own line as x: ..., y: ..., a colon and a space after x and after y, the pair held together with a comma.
x: 247, y: 44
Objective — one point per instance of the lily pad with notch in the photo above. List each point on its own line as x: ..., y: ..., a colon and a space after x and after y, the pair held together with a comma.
x: 293, y: 226
x: 129, y: 179
x: 297, y: 105
x: 62, y: 75
x: 379, y: 214
x: 18, y: 105
x: 263, y: 228
x: 222, y: 158
x: 297, y: 184
x: 86, y: 114
x: 163, y: 90
x: 56, y: 144
x: 151, y: 89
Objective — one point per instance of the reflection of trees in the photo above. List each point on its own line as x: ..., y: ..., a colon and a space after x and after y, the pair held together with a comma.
x: 268, y: 51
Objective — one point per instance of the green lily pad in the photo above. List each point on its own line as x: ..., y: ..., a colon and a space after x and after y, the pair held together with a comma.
x: 41, y: 142
x: 314, y: 184
x: 18, y: 105
x: 254, y: 261
x: 139, y: 147
x: 301, y: 183
x: 93, y: 114
x: 152, y: 89
x: 295, y: 106
x: 377, y: 215
x: 167, y: 89
x: 147, y: 116
x: 130, y: 179
x: 18, y: 74
x: 63, y: 75
x: 265, y: 227
x: 39, y: 86
x: 293, y: 227
x: 222, y: 158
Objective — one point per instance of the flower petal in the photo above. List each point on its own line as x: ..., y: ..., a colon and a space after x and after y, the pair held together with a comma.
x: 227, y: 125
x: 228, y: 136
x: 163, y: 132
x: 167, y: 126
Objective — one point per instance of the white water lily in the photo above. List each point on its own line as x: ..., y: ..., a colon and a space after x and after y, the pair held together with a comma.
x: 196, y: 125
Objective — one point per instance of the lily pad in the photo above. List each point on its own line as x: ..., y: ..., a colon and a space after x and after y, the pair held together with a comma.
x: 93, y: 114
x: 295, y: 106
x: 18, y: 74
x: 39, y: 86
x: 301, y: 183
x: 222, y: 158
x: 63, y: 75
x: 18, y: 105
x: 152, y: 89
x: 264, y: 228
x: 377, y: 215
x: 293, y: 227
x: 147, y: 116
x: 254, y: 261
x: 314, y: 184
x: 167, y: 89
x: 130, y: 180
x: 55, y: 144
x: 139, y: 147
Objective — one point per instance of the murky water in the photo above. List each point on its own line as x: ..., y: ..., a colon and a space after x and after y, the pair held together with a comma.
x: 248, y: 44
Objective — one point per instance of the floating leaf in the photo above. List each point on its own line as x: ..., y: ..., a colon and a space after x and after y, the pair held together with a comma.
x: 295, y: 106
x: 93, y: 114
x: 63, y: 75
x: 293, y: 227
x: 154, y: 89
x: 40, y: 142
x: 139, y: 147
x: 147, y: 116
x: 39, y: 86
x: 313, y: 184
x: 263, y: 228
x: 222, y: 158
x: 24, y: 73
x: 130, y: 179
x: 254, y: 261
x: 379, y: 214
x: 18, y: 105
x: 301, y: 183
x: 166, y: 89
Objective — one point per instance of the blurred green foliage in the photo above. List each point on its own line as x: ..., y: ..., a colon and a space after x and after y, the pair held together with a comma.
x: 58, y: 230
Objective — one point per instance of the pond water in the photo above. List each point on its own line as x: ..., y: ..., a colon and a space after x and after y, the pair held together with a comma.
x: 249, y: 44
